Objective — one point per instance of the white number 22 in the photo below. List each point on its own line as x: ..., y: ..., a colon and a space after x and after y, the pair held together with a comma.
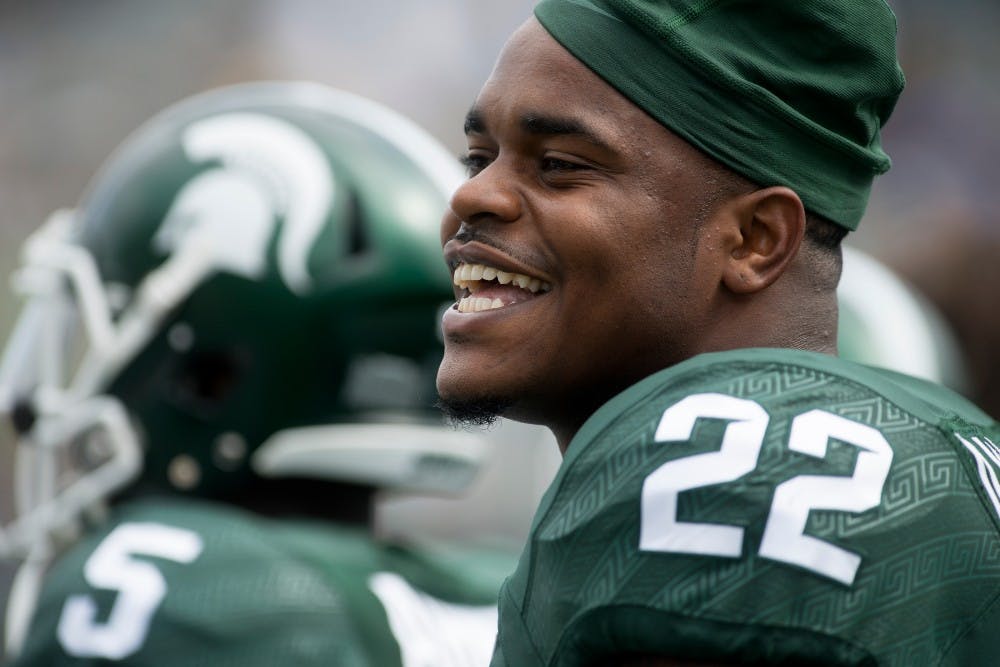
x: 784, y: 537
x: 140, y: 586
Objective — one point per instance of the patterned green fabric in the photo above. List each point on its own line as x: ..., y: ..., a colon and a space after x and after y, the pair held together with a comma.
x: 612, y: 566
x: 789, y: 92
x: 260, y: 592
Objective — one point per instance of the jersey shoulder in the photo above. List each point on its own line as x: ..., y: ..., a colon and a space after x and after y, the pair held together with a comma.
x: 758, y: 501
x: 171, y: 582
x: 792, y: 377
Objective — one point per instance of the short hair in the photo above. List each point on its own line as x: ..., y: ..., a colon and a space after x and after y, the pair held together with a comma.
x: 822, y: 243
x: 824, y: 233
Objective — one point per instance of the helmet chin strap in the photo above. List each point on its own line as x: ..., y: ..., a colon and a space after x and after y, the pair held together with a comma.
x: 43, y: 510
x: 34, y: 382
x: 23, y: 597
x: 404, y: 457
x: 35, y: 367
x: 33, y: 379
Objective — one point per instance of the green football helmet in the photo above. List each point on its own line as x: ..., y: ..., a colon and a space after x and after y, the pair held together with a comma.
x: 256, y: 278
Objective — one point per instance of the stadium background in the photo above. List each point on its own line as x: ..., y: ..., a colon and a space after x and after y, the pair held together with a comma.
x: 75, y: 78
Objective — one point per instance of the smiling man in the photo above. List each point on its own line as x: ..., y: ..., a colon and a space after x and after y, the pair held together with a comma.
x: 645, y: 258
x: 631, y: 250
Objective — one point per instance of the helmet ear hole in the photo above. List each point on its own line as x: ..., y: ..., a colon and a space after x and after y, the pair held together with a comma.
x: 206, y: 378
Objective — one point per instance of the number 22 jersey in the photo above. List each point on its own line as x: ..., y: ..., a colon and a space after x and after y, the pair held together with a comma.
x: 767, y: 506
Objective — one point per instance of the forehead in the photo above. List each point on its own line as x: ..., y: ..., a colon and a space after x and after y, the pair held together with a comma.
x: 535, y: 74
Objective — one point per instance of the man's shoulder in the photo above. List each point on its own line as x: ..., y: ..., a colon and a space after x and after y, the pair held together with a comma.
x: 754, y: 488
x: 782, y: 379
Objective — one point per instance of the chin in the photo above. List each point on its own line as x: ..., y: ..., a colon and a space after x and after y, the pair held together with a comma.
x: 463, y: 407
x: 473, y: 412
x: 467, y: 399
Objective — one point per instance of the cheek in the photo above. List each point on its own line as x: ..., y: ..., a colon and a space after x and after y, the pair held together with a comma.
x: 595, y: 237
x: 624, y: 257
x: 635, y: 286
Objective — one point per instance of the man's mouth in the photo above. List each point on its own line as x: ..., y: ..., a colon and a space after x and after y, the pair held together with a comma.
x: 488, y: 288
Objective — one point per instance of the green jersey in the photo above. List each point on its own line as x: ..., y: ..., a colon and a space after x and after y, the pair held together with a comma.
x: 762, y: 506
x: 172, y: 582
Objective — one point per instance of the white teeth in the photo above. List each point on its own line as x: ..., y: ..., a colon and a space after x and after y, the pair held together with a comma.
x: 470, y: 277
x: 473, y: 304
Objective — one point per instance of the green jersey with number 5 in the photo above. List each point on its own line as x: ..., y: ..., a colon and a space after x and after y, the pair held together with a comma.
x: 767, y: 506
x: 192, y: 583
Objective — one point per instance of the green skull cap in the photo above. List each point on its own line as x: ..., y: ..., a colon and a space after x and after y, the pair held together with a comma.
x: 786, y: 92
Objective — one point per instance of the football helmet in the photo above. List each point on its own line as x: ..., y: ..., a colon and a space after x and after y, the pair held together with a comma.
x: 884, y: 322
x: 250, y: 288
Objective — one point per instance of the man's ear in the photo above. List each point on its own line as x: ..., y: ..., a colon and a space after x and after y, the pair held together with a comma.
x: 772, y: 222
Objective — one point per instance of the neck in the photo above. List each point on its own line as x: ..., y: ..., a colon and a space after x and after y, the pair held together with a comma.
x: 798, y: 311
x: 781, y: 321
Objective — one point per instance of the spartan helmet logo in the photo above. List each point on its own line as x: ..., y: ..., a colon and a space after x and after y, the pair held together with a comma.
x: 269, y: 171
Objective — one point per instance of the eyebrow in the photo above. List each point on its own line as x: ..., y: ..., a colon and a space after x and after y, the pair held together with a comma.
x: 474, y: 122
x: 541, y: 125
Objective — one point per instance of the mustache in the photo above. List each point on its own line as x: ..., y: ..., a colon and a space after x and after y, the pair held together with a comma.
x: 467, y: 234
x: 486, y: 236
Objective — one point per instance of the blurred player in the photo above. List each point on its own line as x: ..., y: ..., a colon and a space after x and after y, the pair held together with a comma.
x: 885, y: 322
x: 646, y: 258
x: 224, y: 353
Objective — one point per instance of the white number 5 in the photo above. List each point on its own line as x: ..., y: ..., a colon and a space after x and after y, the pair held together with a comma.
x: 140, y: 588
x: 784, y: 537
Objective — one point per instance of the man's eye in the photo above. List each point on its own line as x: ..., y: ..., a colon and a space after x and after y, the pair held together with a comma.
x: 557, y: 165
x: 474, y: 163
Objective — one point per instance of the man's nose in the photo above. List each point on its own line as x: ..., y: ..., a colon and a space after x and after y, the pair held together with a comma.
x: 490, y: 194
